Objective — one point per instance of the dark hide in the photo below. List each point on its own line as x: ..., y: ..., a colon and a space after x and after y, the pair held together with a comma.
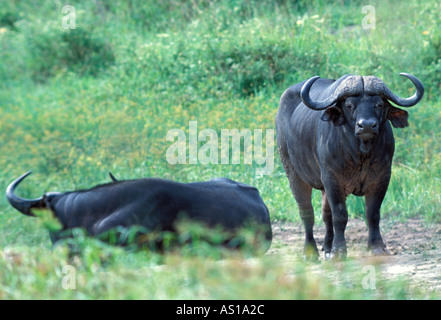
x: 345, y: 146
x: 155, y: 205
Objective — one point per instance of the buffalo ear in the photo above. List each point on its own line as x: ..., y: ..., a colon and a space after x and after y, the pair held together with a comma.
x: 398, y: 117
x: 333, y: 115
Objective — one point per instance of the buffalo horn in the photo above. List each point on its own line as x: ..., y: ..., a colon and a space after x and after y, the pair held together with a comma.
x: 315, y: 105
x: 22, y: 205
x: 345, y: 86
x: 380, y: 88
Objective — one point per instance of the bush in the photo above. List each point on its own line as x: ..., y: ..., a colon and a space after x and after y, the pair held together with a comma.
x: 432, y: 57
x: 8, y: 19
x: 54, y: 50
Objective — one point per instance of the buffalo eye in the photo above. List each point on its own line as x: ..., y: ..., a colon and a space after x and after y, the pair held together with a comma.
x: 349, y: 105
x: 378, y: 105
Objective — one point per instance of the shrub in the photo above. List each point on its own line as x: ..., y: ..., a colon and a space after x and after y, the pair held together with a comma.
x: 54, y: 50
x: 8, y: 19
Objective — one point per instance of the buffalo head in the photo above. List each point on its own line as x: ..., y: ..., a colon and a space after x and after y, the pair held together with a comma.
x: 361, y: 103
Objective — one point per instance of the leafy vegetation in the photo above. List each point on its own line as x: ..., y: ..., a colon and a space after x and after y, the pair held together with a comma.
x: 77, y: 103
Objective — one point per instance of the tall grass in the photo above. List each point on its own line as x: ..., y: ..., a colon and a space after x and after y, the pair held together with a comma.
x: 75, y: 104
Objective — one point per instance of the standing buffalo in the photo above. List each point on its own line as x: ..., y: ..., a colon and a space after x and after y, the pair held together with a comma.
x: 336, y: 136
x: 155, y: 205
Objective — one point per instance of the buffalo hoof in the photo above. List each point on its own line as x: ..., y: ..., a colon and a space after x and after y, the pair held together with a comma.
x: 337, y: 254
x: 380, y: 251
x: 310, y: 253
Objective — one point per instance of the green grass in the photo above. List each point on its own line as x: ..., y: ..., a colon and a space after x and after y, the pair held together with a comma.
x: 109, y: 273
x: 75, y: 104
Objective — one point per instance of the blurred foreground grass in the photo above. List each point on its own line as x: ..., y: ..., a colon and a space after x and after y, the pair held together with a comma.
x: 77, y: 103
x: 109, y: 273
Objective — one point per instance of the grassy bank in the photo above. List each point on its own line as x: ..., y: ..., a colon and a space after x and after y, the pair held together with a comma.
x: 77, y: 103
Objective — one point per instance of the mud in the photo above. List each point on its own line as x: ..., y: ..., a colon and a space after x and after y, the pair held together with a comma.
x: 415, y: 248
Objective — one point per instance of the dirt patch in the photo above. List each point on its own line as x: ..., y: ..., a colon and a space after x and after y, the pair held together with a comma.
x: 415, y: 248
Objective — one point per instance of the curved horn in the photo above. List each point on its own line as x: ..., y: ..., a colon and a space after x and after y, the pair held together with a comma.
x: 383, y: 90
x: 347, y: 85
x: 315, y: 105
x: 22, y: 205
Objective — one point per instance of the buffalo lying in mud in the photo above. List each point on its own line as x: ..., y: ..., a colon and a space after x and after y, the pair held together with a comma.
x: 336, y: 136
x: 155, y: 206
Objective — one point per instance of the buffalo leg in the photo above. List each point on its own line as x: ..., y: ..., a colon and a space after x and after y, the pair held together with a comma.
x: 337, y: 202
x: 373, y: 204
x: 122, y: 218
x: 327, y: 219
x: 302, y: 193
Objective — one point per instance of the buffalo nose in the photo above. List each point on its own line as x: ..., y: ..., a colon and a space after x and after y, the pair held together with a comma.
x: 367, y: 125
